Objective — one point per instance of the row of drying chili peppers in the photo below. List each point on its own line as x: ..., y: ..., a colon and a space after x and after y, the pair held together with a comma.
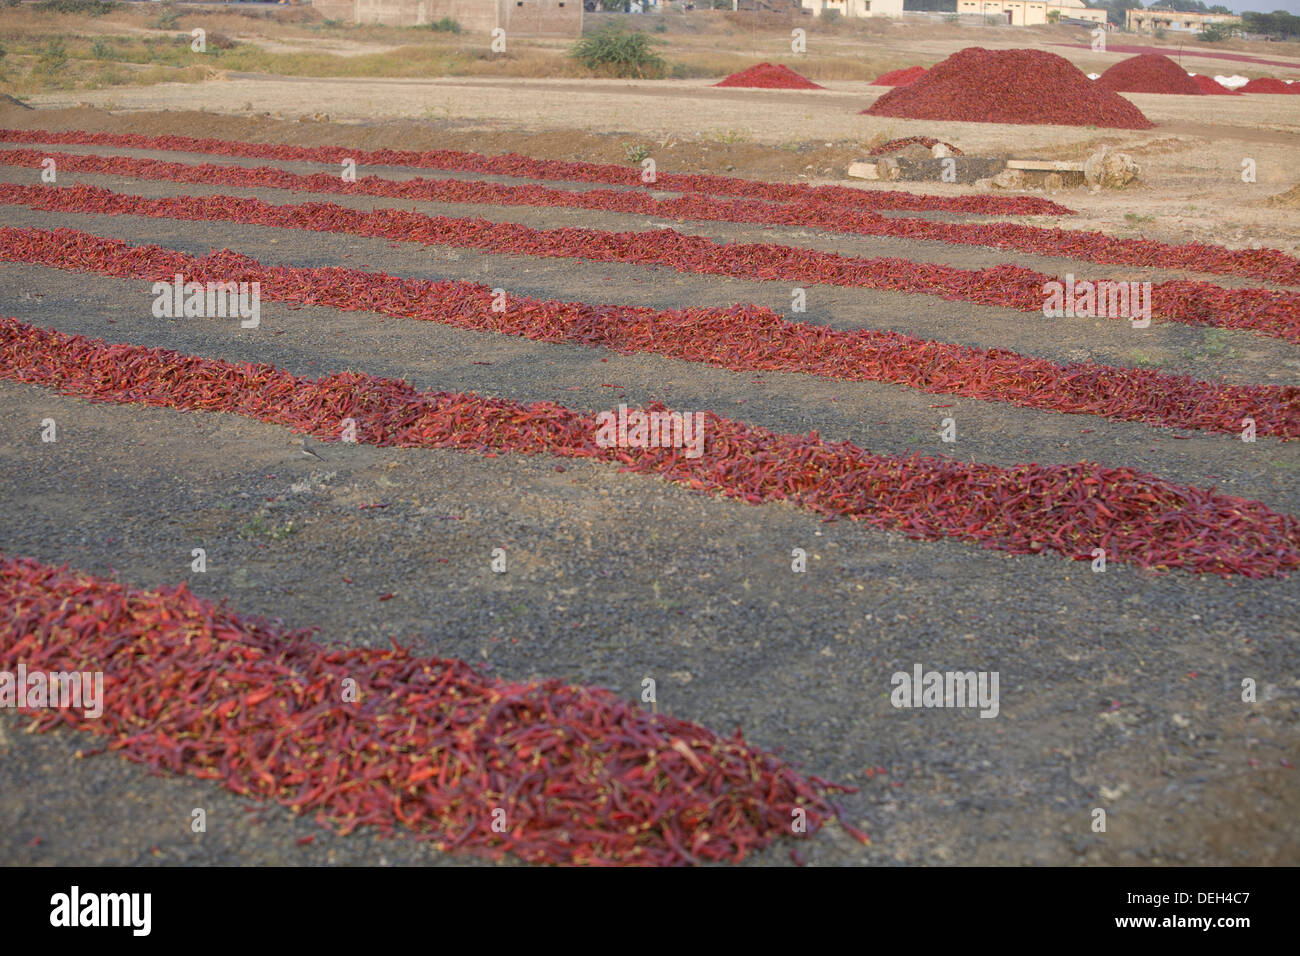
x: 1071, y: 509
x: 742, y: 338
x: 546, y: 771
x: 1267, y: 264
x: 1269, y: 311
x: 525, y: 167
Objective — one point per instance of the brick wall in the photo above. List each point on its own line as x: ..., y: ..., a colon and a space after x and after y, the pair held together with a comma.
x: 542, y: 17
x: 522, y: 17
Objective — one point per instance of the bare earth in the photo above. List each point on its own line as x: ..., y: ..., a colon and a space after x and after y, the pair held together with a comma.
x: 1121, y: 690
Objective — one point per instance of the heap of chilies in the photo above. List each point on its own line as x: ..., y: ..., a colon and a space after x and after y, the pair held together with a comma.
x: 546, y: 771
x: 1267, y: 264
x: 1271, y: 312
x: 768, y: 76
x: 526, y: 167
x: 742, y: 338
x: 1149, y: 73
x: 1070, y: 509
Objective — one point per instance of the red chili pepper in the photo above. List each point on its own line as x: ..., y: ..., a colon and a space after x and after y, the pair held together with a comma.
x: 1191, y: 302
x: 512, y: 164
x: 741, y: 338
x: 1021, y: 509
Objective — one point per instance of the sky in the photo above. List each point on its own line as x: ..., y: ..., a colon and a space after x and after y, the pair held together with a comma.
x: 1261, y: 6
x: 1241, y: 6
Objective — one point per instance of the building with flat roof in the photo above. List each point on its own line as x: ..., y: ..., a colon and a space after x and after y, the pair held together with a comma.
x: 857, y: 8
x: 1030, y: 13
x: 1153, y: 19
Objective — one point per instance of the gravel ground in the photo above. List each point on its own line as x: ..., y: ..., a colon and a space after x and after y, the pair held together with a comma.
x: 1118, y: 690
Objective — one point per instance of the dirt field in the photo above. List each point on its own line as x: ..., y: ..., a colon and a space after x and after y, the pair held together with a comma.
x: 1120, y: 690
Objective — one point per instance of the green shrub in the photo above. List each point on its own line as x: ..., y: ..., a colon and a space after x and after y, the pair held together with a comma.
x: 168, y: 18
x: 1217, y: 32
x: 100, y: 49
x: 636, y: 152
x: 620, y: 53
x: 95, y: 8
x: 53, y: 58
x: 445, y: 25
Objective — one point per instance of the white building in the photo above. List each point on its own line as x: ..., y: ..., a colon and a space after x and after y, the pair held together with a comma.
x: 857, y: 8
x: 1022, y: 13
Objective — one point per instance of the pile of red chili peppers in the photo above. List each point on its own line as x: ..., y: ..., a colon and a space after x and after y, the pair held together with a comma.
x: 1149, y: 73
x: 1009, y: 86
x: 1268, y: 84
x: 741, y: 338
x: 567, y: 774
x: 908, y: 74
x: 1071, y: 509
x: 768, y: 76
x: 1210, y: 85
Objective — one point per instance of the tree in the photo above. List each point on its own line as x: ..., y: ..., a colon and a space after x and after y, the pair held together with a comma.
x: 1115, y: 9
x: 1279, y: 24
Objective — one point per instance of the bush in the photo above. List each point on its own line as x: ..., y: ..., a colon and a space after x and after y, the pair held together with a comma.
x: 95, y: 8
x: 636, y: 152
x: 168, y: 18
x: 620, y: 53
x: 1217, y: 32
x: 53, y: 58
x: 445, y: 25
x: 100, y: 49
x: 216, y: 41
